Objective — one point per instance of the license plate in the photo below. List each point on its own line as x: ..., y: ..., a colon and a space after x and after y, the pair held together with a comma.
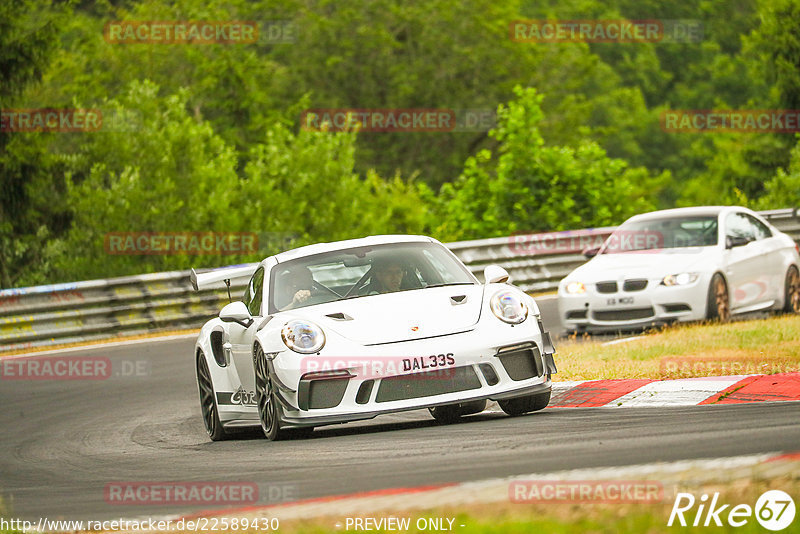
x: 433, y: 361
x: 621, y: 300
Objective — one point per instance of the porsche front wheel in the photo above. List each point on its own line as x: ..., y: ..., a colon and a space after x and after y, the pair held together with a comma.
x: 522, y: 405
x: 268, y: 410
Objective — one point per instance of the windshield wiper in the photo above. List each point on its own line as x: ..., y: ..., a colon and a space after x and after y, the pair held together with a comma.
x: 451, y: 284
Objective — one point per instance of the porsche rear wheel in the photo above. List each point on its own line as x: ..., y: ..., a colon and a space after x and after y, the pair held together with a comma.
x: 268, y: 409
x: 523, y: 405
x: 791, y: 301
x: 208, y: 401
x: 718, y: 305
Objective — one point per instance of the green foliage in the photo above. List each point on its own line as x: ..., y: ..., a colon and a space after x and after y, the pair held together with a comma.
x: 218, y: 145
x: 169, y: 172
x: 529, y: 186
x: 783, y: 190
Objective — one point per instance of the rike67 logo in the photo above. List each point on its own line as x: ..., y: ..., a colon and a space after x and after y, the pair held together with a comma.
x: 774, y: 510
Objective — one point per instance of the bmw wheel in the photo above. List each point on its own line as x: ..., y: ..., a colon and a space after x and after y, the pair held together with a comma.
x: 791, y: 301
x: 718, y: 303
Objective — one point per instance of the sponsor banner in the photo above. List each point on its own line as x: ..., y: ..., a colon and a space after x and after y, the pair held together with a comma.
x: 181, y: 493
x: 729, y: 121
x: 586, y: 491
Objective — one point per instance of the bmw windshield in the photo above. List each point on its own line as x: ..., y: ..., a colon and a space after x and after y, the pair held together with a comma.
x: 663, y: 233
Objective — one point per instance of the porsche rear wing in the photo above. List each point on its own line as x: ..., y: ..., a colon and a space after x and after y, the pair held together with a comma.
x: 226, y: 274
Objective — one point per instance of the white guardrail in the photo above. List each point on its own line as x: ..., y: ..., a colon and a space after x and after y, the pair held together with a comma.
x: 131, y: 305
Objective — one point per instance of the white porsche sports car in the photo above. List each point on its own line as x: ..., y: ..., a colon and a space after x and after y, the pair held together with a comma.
x: 682, y: 264
x: 338, y: 332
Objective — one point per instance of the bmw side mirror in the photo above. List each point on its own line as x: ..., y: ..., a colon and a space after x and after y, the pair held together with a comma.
x: 236, y: 312
x: 590, y: 253
x: 494, y: 274
x: 732, y: 241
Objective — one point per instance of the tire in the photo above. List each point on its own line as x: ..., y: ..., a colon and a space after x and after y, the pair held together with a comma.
x: 268, y: 408
x: 523, y: 405
x: 446, y: 415
x: 718, y: 306
x: 208, y: 401
x: 452, y: 413
x: 791, y: 292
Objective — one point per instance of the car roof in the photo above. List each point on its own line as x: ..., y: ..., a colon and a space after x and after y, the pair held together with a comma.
x: 687, y: 212
x: 319, y: 248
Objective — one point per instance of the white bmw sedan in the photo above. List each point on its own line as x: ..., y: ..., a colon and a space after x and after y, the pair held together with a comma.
x: 343, y: 331
x: 682, y: 264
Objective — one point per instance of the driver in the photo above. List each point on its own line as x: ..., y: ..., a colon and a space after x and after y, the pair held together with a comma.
x: 296, y: 285
x: 387, y: 276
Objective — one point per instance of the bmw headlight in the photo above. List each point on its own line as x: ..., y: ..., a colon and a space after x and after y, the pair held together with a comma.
x: 303, y: 336
x: 680, y: 279
x: 508, y: 307
x: 576, y: 288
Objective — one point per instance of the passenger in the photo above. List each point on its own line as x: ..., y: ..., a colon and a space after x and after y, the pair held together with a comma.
x: 296, y: 287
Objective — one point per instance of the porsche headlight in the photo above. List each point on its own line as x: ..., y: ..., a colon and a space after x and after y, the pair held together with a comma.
x: 508, y: 307
x: 303, y: 336
x: 576, y: 288
x: 680, y: 279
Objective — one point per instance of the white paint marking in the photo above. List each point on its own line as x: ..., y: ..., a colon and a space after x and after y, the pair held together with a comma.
x: 102, y: 346
x: 682, y: 392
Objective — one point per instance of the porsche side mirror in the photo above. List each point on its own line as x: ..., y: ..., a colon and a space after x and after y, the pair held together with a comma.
x: 590, y: 253
x: 732, y: 241
x: 236, y: 312
x: 494, y: 274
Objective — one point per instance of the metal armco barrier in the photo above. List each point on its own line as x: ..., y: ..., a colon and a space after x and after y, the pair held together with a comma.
x: 99, y: 309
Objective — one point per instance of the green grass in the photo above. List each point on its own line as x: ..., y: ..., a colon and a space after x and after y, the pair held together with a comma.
x: 763, y: 346
x: 576, y: 517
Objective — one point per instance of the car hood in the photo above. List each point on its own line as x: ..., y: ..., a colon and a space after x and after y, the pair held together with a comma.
x: 649, y: 264
x: 401, y: 316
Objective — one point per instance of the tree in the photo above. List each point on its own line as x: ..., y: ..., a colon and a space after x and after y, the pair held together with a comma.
x: 529, y: 186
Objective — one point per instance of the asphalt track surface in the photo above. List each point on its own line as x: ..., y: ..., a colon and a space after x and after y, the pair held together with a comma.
x: 63, y: 441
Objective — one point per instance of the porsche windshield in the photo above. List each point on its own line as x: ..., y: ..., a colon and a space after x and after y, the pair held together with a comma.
x: 363, y: 271
x: 664, y: 233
